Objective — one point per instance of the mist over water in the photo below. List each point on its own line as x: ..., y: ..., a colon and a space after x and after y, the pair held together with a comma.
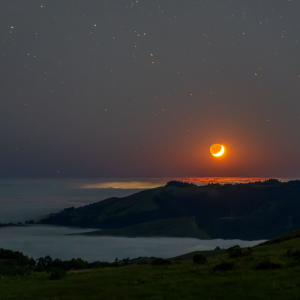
x: 37, y: 241
x: 32, y: 199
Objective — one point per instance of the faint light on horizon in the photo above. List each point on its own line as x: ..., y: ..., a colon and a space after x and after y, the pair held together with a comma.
x: 123, y: 185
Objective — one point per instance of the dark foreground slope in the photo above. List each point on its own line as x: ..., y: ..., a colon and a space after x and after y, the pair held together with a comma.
x: 181, y: 280
x: 260, y: 210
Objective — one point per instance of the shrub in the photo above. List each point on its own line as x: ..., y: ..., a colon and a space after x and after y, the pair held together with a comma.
x: 291, y: 253
x: 74, y: 264
x: 160, y: 262
x: 199, y: 259
x: 143, y: 262
x: 9, y: 267
x: 22, y: 260
x: 58, y: 273
x: 265, y: 264
x: 124, y: 262
x: 57, y: 263
x: 47, y: 261
x: 24, y: 271
x: 224, y: 266
x: 178, y: 260
x: 39, y: 269
x: 237, y: 251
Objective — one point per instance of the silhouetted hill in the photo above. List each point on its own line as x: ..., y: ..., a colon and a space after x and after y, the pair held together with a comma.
x: 259, y: 210
x: 180, y: 227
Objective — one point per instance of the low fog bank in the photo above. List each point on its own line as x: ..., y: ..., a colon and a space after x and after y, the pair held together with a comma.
x: 38, y: 240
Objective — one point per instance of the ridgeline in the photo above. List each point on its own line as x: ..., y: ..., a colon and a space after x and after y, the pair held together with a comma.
x: 251, y: 211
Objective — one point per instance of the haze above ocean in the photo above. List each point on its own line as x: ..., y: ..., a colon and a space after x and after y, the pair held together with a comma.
x: 32, y: 199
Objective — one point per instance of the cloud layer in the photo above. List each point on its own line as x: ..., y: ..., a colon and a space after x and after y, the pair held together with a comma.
x: 37, y: 241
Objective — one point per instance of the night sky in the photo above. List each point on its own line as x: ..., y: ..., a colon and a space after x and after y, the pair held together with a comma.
x: 114, y: 88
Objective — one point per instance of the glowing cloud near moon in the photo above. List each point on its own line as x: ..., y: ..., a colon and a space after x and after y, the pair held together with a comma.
x: 217, y: 150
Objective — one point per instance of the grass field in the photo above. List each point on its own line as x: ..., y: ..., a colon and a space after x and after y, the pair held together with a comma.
x: 183, y: 280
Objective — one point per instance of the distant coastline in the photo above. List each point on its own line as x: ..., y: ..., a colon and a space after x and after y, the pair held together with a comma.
x: 19, y: 224
x: 12, y: 225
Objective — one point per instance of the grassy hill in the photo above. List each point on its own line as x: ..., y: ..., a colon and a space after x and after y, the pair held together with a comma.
x: 181, y: 280
x: 251, y: 211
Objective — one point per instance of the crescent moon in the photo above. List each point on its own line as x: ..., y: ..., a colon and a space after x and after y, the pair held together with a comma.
x: 220, y: 153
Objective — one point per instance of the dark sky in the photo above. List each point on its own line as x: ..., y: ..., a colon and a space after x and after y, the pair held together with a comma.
x: 114, y: 88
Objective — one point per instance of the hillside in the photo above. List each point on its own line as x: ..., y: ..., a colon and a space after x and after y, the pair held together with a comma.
x: 252, y: 211
x: 268, y: 271
x: 180, y: 227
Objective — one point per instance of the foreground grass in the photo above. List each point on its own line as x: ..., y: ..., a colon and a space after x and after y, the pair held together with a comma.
x: 178, y: 281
